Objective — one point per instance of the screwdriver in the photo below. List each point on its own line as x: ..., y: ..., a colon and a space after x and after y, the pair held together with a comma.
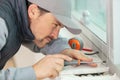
x: 77, y: 62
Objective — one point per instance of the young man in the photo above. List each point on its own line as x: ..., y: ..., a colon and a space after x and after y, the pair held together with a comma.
x: 39, y: 22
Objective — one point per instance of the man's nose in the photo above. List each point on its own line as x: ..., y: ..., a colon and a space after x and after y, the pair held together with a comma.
x: 55, y: 33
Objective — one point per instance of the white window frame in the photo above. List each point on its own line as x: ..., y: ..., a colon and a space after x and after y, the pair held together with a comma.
x: 101, y: 44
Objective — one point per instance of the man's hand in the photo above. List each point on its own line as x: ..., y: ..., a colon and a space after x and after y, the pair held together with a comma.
x: 78, y: 55
x: 50, y: 66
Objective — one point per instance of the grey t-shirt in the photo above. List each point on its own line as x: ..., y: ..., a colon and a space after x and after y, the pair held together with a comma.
x: 3, y: 33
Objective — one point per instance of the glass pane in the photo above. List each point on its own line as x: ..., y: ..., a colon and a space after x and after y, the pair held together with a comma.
x: 96, y: 10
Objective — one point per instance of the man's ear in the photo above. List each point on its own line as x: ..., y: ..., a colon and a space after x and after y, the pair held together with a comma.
x: 33, y: 11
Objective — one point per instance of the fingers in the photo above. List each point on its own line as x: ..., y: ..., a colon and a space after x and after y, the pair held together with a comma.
x: 56, y: 71
x: 54, y: 74
x: 58, y: 66
x: 59, y: 61
x: 85, y: 58
x: 93, y: 64
x: 90, y: 64
x: 81, y: 57
x: 76, y: 54
x: 64, y: 57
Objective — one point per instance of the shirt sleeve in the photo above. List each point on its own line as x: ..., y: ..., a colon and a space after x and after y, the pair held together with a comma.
x: 55, y: 46
x: 3, y: 33
x: 26, y: 73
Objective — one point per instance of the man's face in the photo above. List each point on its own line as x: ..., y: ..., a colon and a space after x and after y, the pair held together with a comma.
x: 44, y: 27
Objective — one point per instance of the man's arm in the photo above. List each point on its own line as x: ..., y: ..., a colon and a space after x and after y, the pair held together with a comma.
x: 26, y: 73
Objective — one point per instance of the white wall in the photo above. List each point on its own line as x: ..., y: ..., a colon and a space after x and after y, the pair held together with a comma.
x: 26, y: 57
x: 116, y: 31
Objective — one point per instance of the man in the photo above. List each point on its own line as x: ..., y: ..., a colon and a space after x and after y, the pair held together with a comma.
x: 39, y: 21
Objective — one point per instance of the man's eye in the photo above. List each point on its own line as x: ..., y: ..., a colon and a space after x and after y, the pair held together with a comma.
x: 55, y: 25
